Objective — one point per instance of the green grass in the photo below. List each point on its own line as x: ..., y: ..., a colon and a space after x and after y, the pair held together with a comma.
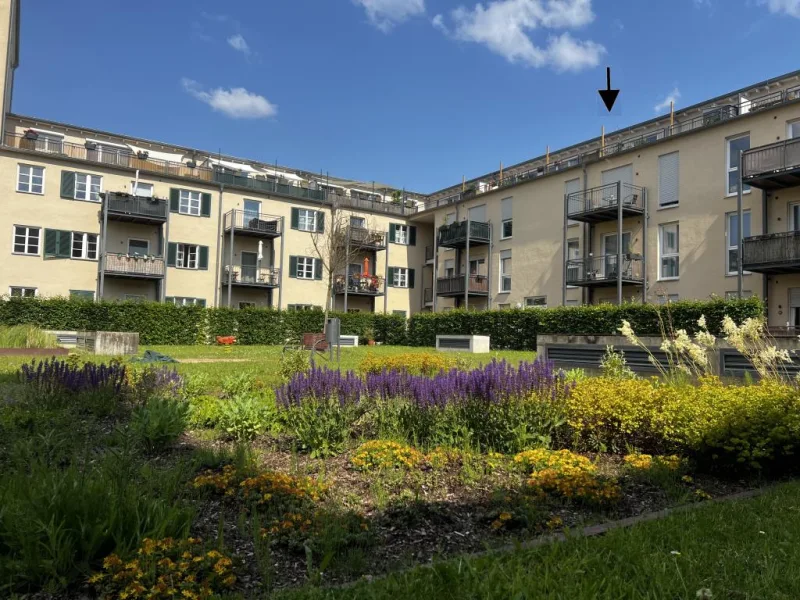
x: 25, y: 336
x: 746, y: 549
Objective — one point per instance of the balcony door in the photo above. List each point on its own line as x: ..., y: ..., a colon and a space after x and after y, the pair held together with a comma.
x: 450, y: 268
x: 249, y: 267
x: 610, y: 252
x: 252, y: 210
x: 794, y: 216
x: 138, y: 247
x: 623, y: 175
x: 477, y: 266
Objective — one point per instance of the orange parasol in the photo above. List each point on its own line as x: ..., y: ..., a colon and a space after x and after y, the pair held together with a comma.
x: 366, y: 267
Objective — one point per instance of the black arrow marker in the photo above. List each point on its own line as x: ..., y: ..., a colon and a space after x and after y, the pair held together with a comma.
x: 608, y: 95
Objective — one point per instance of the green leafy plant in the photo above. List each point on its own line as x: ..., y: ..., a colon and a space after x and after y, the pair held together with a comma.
x: 205, y: 411
x: 247, y: 416
x: 293, y: 362
x: 614, y: 366
x: 26, y: 336
x: 237, y: 385
x: 159, y: 422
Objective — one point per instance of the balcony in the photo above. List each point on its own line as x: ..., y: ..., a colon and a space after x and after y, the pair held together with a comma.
x: 599, y: 204
x: 601, y: 271
x: 136, y: 209
x: 774, y: 253
x: 133, y: 266
x: 366, y: 239
x: 772, y: 167
x: 262, y: 183
x: 427, y: 296
x: 251, y: 277
x: 356, y: 285
x: 455, y: 286
x: 252, y: 224
x: 455, y: 234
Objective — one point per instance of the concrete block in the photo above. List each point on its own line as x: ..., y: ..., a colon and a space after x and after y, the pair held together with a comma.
x: 474, y: 344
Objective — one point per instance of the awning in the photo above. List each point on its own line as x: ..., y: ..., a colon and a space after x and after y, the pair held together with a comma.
x: 165, y: 156
x: 107, y: 143
x: 280, y: 174
x: 233, y: 166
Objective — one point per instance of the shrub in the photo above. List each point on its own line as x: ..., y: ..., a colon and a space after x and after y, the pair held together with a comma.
x: 294, y: 362
x: 416, y: 363
x: 382, y: 454
x: 164, y: 569
x: 26, y: 336
x: 159, y: 422
x: 247, y: 416
x: 205, y: 411
x: 237, y: 385
x: 614, y: 366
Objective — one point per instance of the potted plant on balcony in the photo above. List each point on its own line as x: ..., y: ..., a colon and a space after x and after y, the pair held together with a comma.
x: 90, y: 145
x: 30, y: 134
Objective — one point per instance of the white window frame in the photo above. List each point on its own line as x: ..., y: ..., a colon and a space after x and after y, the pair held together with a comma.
x: 603, y: 239
x: 84, y: 239
x: 307, y: 219
x: 190, y: 202
x: 30, y: 175
x: 662, y: 255
x: 401, y: 234
x: 569, y: 258
x: 729, y: 169
x: 503, y: 277
x: 531, y: 302
x: 306, y: 267
x: 503, y: 223
x: 138, y: 240
x: 89, y: 193
x: 793, y: 226
x: 11, y: 289
x: 187, y: 301
x: 28, y: 229
x: 789, y: 125
x: 136, y: 188
x: 187, y: 256
x: 678, y: 201
x: 400, y: 277
x: 729, y: 246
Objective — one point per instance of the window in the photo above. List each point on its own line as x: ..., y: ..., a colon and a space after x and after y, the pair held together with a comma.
x: 189, y: 203
x: 26, y: 240
x: 84, y: 245
x: 144, y: 190
x: 793, y: 130
x: 732, y: 237
x: 252, y: 210
x: 30, y: 179
x: 506, y: 212
x: 573, y: 254
x: 573, y: 302
x: 575, y: 201
x: 181, y: 301
x: 669, y: 251
x: 300, y: 307
x: 735, y: 294
x: 536, y: 301
x: 88, y: 187
x: 22, y: 292
x: 505, y: 271
x: 450, y: 218
x: 358, y: 222
x: 450, y: 268
x: 400, y: 277
x: 668, y: 179
x: 476, y: 266
x: 735, y: 146
x: 138, y: 247
x: 794, y: 216
x: 187, y: 256
x: 305, y: 267
x: 81, y: 294
x: 667, y: 298
x: 243, y: 305
x: 403, y: 234
x: 307, y: 220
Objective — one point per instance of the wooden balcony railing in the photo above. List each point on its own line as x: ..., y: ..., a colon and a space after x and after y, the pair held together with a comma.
x: 145, y: 267
x: 774, y: 252
x: 478, y: 284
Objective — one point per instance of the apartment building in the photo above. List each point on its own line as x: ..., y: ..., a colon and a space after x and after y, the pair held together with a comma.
x: 653, y: 212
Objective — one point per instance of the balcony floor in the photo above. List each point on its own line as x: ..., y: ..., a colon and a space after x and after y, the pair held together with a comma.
x: 783, y: 268
x: 775, y: 181
x: 252, y: 284
x: 253, y: 233
x: 601, y: 283
x: 605, y: 214
x: 461, y: 243
x: 461, y: 294
x: 141, y: 276
x: 135, y: 218
x: 359, y: 293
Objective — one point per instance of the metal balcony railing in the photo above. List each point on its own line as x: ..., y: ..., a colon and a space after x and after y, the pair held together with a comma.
x: 358, y: 285
x: 253, y: 223
x: 773, y: 252
x: 455, y: 234
x: 133, y: 207
x: 606, y: 197
x: 603, y: 269
x: 361, y: 237
x: 134, y: 265
x: 251, y: 276
x: 478, y: 284
x: 771, y: 159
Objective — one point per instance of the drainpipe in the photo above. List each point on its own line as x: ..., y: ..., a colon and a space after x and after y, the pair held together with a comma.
x: 230, y: 258
x: 101, y: 264
x: 385, y: 276
x: 564, y: 253
x: 466, y: 266
x: 644, y: 245
x: 220, y: 240
x: 619, y: 243
x: 280, y: 269
x: 740, y: 253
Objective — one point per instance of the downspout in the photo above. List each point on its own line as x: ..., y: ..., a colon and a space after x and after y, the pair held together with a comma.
x: 220, y: 240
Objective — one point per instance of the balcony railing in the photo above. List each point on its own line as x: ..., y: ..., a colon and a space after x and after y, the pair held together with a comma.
x: 773, y: 166
x: 360, y: 237
x: 253, y: 223
x: 357, y: 285
x: 602, y: 270
x: 454, y: 235
x: 241, y: 275
x: 772, y: 253
x: 361, y: 203
x: 455, y: 285
x: 136, y: 208
x: 141, y: 267
x: 602, y: 203
x: 427, y: 295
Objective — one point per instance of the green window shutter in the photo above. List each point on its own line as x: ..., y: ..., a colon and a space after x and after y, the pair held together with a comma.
x: 392, y: 232
x: 68, y: 184
x: 390, y: 277
x: 64, y: 244
x: 317, y: 268
x: 50, y: 242
x: 174, y: 199
x: 205, y: 206
x: 172, y: 254
x: 320, y: 221
x: 202, y: 257
x: 57, y: 244
x: 293, y: 264
x: 411, y: 278
x: 412, y: 235
x: 295, y: 218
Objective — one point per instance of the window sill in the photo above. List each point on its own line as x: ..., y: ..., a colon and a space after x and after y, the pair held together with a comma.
x: 33, y: 193
x: 25, y: 254
x: 669, y: 206
x: 574, y: 224
x: 668, y: 279
x: 503, y: 239
x: 735, y: 194
x: 183, y: 214
x: 735, y: 274
x: 89, y: 201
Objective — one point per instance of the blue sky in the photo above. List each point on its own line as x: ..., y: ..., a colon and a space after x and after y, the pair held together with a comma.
x: 412, y: 93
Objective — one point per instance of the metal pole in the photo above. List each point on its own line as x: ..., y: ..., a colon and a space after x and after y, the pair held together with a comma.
x: 346, y: 267
x: 564, y: 253
x: 280, y: 268
x: 435, y: 276
x: 644, y: 246
x: 165, y: 253
x: 102, y: 264
x: 230, y: 258
x: 489, y: 267
x: 386, y: 274
x: 218, y: 253
x: 466, y: 266
x: 739, y: 252
x: 619, y: 243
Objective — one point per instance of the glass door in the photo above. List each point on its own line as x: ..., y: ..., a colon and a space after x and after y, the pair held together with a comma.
x: 249, y: 267
x: 252, y: 210
x: 610, y: 255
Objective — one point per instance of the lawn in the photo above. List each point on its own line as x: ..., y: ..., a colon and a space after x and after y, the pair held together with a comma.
x: 734, y: 550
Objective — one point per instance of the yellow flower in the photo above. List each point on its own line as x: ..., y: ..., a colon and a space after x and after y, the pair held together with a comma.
x: 504, y: 516
x: 97, y: 577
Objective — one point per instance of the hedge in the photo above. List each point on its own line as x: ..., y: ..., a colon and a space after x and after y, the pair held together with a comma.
x: 517, y: 329
x: 509, y: 329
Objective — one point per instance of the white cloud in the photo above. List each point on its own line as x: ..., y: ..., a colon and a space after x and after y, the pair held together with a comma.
x: 238, y: 43
x: 385, y: 14
x: 438, y: 23
x: 673, y: 96
x: 702, y: 3
x: 236, y: 103
x: 790, y: 7
x: 503, y: 26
